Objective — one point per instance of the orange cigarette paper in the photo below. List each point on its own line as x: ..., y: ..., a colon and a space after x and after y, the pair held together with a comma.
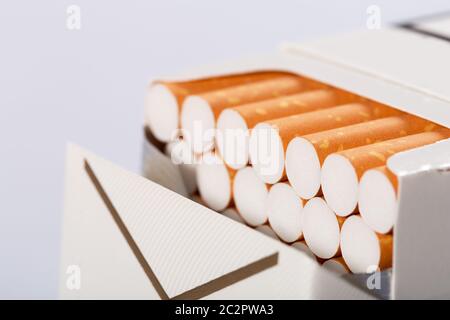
x: 361, y: 134
x: 336, y: 117
x: 374, y: 155
x: 256, y: 112
x: 385, y: 241
x: 341, y: 221
x: 252, y: 92
x: 182, y: 89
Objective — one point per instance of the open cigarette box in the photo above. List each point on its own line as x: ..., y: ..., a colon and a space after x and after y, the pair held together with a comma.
x: 127, y: 237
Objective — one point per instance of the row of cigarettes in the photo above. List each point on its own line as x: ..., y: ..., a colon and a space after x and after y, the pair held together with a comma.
x: 302, y: 158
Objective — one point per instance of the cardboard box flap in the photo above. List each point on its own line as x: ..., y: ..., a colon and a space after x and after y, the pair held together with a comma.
x: 386, y: 65
x: 396, y: 55
x: 96, y: 262
x: 185, y: 244
x: 421, y: 237
x: 134, y: 238
x: 260, y: 62
x: 436, y: 25
x: 435, y: 156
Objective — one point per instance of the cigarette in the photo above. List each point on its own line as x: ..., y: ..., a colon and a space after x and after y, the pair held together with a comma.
x: 199, y: 112
x: 269, y: 139
x: 265, y: 229
x: 305, y: 155
x: 377, y: 201
x: 233, y: 215
x: 284, y: 211
x: 250, y: 194
x: 341, y: 171
x: 321, y: 228
x: 164, y: 99
x: 181, y: 154
x: 336, y: 265
x: 301, y: 246
x: 233, y: 124
x: 364, y: 250
x: 214, y: 181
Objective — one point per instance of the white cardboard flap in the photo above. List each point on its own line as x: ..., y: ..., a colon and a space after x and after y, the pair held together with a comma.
x: 438, y: 25
x: 123, y: 229
x: 421, y: 238
x: 96, y: 262
x: 395, y: 66
x: 185, y: 244
x: 395, y: 55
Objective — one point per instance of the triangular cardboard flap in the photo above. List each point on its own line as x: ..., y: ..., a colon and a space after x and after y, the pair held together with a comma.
x: 186, y: 245
x: 96, y: 261
x: 111, y: 268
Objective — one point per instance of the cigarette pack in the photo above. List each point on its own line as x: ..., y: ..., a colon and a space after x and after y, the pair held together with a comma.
x: 132, y: 236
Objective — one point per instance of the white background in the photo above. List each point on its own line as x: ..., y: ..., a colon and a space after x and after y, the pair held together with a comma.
x: 87, y: 86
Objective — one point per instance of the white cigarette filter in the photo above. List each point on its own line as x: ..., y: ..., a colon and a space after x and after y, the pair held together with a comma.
x: 233, y: 214
x: 301, y: 246
x: 363, y: 250
x: 321, y: 228
x: 378, y: 199
x: 267, y: 230
x: 214, y: 181
x: 164, y: 99
x: 305, y: 155
x: 336, y: 265
x: 233, y: 124
x: 181, y: 154
x: 250, y: 194
x: 199, y: 112
x: 269, y: 139
x: 341, y: 171
x: 284, y: 210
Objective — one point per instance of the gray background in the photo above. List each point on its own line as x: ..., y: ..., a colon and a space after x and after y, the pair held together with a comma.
x: 87, y: 86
